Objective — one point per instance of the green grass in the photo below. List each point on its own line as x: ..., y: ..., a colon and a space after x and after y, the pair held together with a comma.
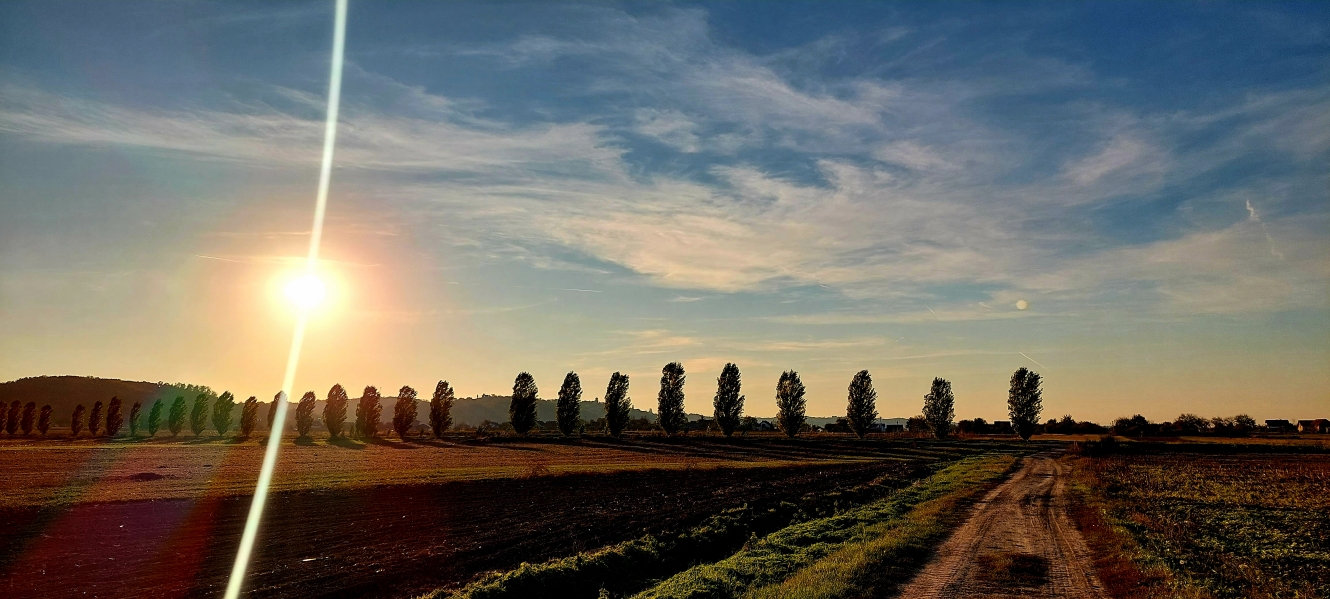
x: 856, y: 553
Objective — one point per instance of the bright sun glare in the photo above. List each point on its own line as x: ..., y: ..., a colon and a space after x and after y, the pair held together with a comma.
x: 306, y: 291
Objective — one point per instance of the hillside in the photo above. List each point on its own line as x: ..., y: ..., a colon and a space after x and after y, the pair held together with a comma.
x: 64, y: 392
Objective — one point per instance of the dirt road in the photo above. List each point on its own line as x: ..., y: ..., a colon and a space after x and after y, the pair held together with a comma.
x: 1018, y: 542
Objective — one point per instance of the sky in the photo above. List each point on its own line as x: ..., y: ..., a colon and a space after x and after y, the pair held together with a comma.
x: 824, y: 187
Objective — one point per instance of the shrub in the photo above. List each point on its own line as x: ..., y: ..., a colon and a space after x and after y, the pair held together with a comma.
x: 617, y: 404
x: 790, y: 403
x: 669, y: 401
x: 861, y: 409
x: 568, y: 410
x: 198, y: 416
x: 249, y: 416
x: 272, y: 409
x: 44, y: 420
x: 113, y: 418
x: 1025, y: 402
x: 334, y: 412
x: 305, y: 413
x: 917, y: 424
x: 155, y: 418
x: 176, y: 419
x: 441, y: 409
x: 522, y: 408
x: 135, y: 414
x: 94, y: 418
x: 728, y: 403
x: 940, y: 408
x: 76, y: 421
x: 29, y: 418
x: 404, y: 411
x: 369, y: 412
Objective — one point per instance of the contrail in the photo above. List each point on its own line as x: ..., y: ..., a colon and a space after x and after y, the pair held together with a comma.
x: 298, y: 337
x: 1031, y: 359
x: 222, y: 259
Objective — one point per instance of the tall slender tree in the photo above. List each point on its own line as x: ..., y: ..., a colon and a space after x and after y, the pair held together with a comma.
x: 522, y: 408
x: 155, y: 418
x: 940, y: 408
x: 198, y: 415
x: 305, y: 413
x: 334, y: 411
x: 728, y: 403
x: 135, y: 415
x: 568, y: 410
x: 371, y: 411
x: 272, y: 410
x: 1025, y: 401
x: 404, y: 411
x: 4, y: 416
x: 12, y: 418
x: 94, y: 419
x: 441, y: 409
x: 249, y: 416
x: 861, y: 410
x: 618, y: 405
x: 29, y: 418
x: 223, y: 413
x: 669, y: 401
x: 44, y: 420
x: 76, y: 421
x: 175, y: 420
x: 113, y: 418
x: 790, y: 403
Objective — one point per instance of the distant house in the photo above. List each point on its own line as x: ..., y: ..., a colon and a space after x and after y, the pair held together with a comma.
x: 1278, y: 426
x: 1317, y: 426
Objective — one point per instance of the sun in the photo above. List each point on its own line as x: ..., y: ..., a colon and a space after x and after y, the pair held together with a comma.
x: 306, y: 291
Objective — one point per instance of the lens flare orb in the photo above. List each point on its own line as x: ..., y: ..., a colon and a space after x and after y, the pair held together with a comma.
x: 306, y: 291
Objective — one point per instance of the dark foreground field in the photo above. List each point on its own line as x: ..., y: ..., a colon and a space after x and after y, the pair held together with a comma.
x: 387, y: 541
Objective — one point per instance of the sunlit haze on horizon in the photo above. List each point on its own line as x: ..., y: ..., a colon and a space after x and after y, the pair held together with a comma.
x: 1131, y: 199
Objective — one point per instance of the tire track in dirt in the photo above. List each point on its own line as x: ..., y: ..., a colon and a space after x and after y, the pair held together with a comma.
x: 1017, y: 542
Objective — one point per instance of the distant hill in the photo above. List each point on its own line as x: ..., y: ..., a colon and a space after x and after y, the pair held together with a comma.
x: 65, y: 392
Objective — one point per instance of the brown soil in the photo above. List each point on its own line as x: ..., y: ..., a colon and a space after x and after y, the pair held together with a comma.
x: 1018, y: 542
x: 385, y: 541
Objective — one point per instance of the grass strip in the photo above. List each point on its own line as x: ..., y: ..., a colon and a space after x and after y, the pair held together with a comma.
x: 860, y: 552
x: 632, y: 566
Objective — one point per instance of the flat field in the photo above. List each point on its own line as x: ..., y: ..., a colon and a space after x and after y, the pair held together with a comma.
x: 385, y: 519
x: 1215, y: 520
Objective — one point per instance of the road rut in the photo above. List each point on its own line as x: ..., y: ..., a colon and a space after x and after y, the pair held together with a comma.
x: 1018, y: 542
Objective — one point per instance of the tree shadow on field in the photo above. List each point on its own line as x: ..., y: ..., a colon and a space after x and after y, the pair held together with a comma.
x: 345, y: 443
x: 393, y: 444
x: 205, y: 440
x: 515, y: 447
x: 444, y: 444
x: 304, y: 441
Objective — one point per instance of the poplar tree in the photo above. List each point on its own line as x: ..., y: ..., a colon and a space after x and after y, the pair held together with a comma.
x: 223, y: 412
x: 728, y: 403
x: 135, y: 414
x: 198, y: 416
x: 44, y: 420
x: 76, y: 421
x: 272, y: 411
x: 617, y: 404
x: 12, y: 417
x: 305, y: 413
x: 404, y: 411
x: 29, y: 418
x: 861, y: 410
x: 249, y: 416
x: 370, y: 412
x: 790, y: 403
x: 155, y: 418
x: 94, y: 418
x: 113, y: 418
x: 669, y: 401
x: 568, y: 411
x: 176, y: 419
x: 522, y: 408
x: 940, y: 408
x: 1025, y: 401
x: 334, y: 412
x: 441, y: 409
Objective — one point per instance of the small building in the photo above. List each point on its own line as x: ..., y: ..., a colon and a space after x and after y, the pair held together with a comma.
x: 1317, y: 426
x: 1278, y: 426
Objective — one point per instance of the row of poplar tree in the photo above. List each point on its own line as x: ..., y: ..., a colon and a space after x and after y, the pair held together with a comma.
x: 1024, y: 406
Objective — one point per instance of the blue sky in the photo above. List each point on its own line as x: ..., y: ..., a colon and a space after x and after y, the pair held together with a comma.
x: 550, y: 187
